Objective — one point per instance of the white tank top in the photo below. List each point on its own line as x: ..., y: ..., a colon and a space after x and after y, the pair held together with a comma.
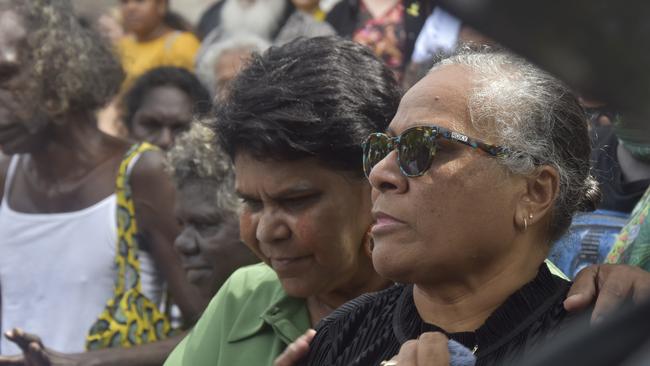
x: 57, y: 271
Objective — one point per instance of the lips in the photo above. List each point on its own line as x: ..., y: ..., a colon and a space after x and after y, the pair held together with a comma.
x: 385, y: 223
x: 290, y: 266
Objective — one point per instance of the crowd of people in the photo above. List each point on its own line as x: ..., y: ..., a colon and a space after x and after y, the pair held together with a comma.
x: 378, y: 184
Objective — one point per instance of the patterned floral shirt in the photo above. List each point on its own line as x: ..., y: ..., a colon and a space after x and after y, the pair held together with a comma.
x: 633, y: 243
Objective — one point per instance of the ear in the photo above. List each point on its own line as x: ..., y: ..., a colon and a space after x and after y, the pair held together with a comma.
x: 541, y: 190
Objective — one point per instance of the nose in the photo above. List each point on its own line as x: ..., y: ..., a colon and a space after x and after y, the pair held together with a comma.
x: 165, y: 139
x: 272, y: 228
x: 186, y: 242
x: 386, y: 176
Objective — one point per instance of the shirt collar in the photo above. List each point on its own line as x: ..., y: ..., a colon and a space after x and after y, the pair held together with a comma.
x: 287, y: 316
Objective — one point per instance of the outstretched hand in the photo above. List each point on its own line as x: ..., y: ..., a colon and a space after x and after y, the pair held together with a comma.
x: 34, y: 353
x: 609, y: 286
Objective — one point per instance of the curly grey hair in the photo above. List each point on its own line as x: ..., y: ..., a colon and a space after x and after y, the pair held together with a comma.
x: 196, y: 156
x: 75, y: 67
x: 210, y: 53
x: 538, y: 118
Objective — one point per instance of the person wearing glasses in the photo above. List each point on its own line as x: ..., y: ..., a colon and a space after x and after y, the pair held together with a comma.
x: 480, y: 170
x: 293, y: 123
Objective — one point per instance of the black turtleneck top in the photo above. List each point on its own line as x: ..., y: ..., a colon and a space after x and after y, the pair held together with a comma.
x: 372, y: 327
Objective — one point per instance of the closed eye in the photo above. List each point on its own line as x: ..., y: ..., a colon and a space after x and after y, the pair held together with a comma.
x: 251, y: 204
x: 300, y: 202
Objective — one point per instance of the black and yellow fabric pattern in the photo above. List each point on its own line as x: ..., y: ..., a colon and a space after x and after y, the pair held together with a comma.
x: 129, y: 318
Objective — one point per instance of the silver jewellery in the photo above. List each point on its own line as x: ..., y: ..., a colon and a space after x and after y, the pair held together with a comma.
x: 388, y: 363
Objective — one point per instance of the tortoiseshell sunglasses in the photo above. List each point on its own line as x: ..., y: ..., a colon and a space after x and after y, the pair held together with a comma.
x: 416, y: 148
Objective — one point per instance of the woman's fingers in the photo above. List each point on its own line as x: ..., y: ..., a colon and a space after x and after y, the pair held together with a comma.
x: 296, y: 350
x: 433, y: 349
x: 429, y: 350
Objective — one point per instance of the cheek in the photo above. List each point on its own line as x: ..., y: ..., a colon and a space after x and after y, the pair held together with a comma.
x: 247, y: 233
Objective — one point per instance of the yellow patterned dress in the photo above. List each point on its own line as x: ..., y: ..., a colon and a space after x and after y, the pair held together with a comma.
x: 129, y: 318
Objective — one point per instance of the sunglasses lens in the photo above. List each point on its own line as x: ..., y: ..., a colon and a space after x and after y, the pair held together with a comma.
x: 375, y: 148
x: 416, y: 149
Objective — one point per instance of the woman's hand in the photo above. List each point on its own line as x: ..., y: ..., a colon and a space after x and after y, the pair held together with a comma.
x: 296, y: 350
x: 431, y: 349
x: 609, y: 285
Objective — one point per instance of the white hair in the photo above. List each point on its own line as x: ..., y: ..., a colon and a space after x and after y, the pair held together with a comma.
x: 538, y: 119
x: 197, y: 156
x: 240, y: 41
x: 262, y: 17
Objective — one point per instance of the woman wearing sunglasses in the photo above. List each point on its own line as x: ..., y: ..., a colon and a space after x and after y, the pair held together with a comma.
x: 481, y: 169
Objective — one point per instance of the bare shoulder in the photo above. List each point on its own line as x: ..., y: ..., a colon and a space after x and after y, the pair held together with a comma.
x: 4, y: 167
x: 152, y: 188
x: 151, y: 163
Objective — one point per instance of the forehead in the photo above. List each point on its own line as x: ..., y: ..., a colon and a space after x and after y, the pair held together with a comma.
x: 165, y: 97
x: 279, y: 177
x: 440, y: 98
x: 197, y: 195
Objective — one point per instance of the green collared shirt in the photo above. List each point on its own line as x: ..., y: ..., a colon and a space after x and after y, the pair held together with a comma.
x: 250, y: 321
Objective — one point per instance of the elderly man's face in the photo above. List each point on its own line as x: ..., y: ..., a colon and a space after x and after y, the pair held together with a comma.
x: 22, y: 114
x: 453, y: 220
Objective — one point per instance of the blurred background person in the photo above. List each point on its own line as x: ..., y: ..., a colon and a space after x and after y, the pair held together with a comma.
x: 264, y: 18
x: 388, y: 27
x: 276, y: 21
x: 620, y: 162
x: 221, y: 61
x: 162, y: 103
x: 150, y: 41
x: 206, y: 208
x: 305, y: 21
x: 59, y: 183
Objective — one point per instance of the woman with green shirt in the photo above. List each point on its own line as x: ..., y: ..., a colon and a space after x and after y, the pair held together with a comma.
x: 295, y: 140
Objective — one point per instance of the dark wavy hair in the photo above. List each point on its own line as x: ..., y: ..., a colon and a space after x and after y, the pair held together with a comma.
x: 316, y: 97
x: 176, y: 77
x: 76, y: 68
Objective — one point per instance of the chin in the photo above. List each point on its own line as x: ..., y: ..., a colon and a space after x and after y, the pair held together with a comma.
x: 296, y: 287
x: 388, y: 266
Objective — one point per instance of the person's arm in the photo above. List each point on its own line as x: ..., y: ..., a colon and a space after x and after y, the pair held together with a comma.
x: 153, y: 197
x: 609, y: 286
x: 36, y: 354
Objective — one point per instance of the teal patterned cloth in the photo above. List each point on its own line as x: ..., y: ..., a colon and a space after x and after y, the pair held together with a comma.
x: 633, y: 243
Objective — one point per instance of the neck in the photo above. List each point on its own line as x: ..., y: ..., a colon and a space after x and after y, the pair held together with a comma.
x: 71, y: 149
x: 156, y: 32
x: 363, y: 281
x: 466, y: 304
